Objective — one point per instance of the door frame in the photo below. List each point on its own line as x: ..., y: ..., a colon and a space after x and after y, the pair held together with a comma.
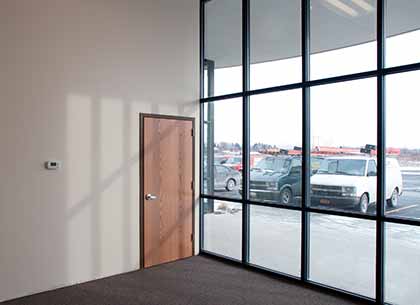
x: 141, y: 172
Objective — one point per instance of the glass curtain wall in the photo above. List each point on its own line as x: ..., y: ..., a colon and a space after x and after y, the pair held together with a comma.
x: 310, y: 159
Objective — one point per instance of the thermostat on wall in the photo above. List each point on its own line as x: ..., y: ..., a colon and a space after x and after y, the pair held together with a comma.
x: 53, y: 165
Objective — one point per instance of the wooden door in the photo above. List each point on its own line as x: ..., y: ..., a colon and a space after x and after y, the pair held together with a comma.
x: 168, y: 198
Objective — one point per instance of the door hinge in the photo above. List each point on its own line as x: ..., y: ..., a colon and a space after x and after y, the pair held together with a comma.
x: 192, y: 185
x: 192, y: 237
x: 192, y: 132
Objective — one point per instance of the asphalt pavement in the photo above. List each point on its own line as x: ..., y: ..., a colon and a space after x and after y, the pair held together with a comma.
x: 409, y: 201
x: 342, y: 250
x: 409, y: 205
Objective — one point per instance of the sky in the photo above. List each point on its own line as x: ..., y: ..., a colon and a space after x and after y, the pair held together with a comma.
x: 342, y: 114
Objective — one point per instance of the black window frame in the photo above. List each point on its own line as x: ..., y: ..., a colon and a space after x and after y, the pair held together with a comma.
x: 379, y: 73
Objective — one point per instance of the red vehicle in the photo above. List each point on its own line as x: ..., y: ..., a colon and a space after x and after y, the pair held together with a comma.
x: 235, y: 162
x: 369, y: 149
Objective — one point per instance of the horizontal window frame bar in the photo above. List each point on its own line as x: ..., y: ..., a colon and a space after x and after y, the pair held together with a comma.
x: 221, y: 198
x: 286, y: 277
x: 401, y: 69
x: 273, y: 271
x: 294, y: 208
x: 317, y: 82
x: 341, y: 213
x: 381, y: 71
x: 342, y: 78
x: 222, y: 97
x: 401, y: 221
x: 275, y: 89
x: 342, y: 291
x: 274, y: 205
x: 222, y: 257
x: 309, y: 209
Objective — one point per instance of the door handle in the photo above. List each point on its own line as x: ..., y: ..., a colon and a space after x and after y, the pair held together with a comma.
x: 151, y: 197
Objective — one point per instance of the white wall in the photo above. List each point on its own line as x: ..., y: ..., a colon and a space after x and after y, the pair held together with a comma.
x: 74, y: 76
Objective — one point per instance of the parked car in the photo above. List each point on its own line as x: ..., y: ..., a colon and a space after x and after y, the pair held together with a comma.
x: 278, y: 179
x: 220, y: 159
x: 226, y: 178
x: 350, y: 181
x: 234, y: 162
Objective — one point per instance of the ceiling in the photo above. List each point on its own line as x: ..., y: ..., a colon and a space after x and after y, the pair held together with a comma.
x: 276, y: 27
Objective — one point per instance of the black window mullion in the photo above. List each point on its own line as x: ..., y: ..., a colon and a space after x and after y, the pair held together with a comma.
x: 380, y: 206
x: 306, y: 149
x: 201, y: 207
x: 245, y: 128
x: 305, y: 86
x: 202, y: 48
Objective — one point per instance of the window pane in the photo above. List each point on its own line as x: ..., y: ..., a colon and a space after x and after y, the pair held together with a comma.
x: 342, y: 253
x: 403, y: 145
x: 223, y: 45
x: 402, y: 264
x: 223, y: 227
x: 403, y: 34
x: 276, y: 140
x: 222, y: 153
x: 275, y: 43
x: 343, y: 134
x: 275, y: 239
x: 343, y: 35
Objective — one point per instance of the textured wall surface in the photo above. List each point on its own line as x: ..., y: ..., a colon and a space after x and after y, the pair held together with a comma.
x: 74, y: 76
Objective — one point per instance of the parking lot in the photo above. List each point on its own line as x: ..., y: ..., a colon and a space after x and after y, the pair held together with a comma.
x: 342, y: 250
x: 409, y: 202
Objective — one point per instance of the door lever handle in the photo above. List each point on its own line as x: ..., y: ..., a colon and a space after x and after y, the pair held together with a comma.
x: 151, y: 197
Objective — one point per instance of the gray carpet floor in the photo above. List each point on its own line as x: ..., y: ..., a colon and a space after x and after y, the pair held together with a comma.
x: 195, y: 281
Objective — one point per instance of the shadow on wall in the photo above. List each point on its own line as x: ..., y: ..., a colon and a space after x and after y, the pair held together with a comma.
x: 115, y: 69
x: 76, y: 76
x: 103, y: 184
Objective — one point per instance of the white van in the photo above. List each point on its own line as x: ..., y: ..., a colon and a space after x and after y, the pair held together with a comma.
x: 350, y: 181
